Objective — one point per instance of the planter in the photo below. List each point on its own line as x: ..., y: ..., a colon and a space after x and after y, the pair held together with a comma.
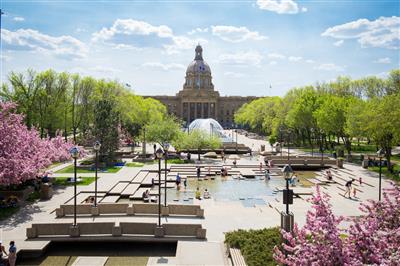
x: 20, y: 194
x: 339, y: 163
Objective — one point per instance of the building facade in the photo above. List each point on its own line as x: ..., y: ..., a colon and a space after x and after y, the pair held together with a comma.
x: 198, y: 99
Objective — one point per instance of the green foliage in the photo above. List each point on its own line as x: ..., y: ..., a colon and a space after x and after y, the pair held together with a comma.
x: 70, y: 170
x: 62, y: 181
x: 7, y: 212
x: 106, y: 130
x: 35, y: 195
x: 164, y: 131
x: 256, y: 245
x: 134, y: 164
x: 178, y: 161
x: 394, y: 175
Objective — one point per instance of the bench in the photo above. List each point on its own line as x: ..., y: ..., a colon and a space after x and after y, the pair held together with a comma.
x: 237, y: 257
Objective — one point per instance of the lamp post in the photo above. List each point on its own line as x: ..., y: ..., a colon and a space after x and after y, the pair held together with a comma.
x: 159, y: 155
x: 380, y: 153
x: 312, y: 145
x: 287, y: 219
x: 288, y: 146
x: 74, y: 151
x: 166, y: 147
x: 96, y: 147
x: 236, y: 141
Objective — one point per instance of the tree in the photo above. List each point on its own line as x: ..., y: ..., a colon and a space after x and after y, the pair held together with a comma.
x: 22, y: 152
x: 164, y: 131
x: 197, y: 140
x: 372, y: 238
x: 318, y: 242
x: 106, y: 130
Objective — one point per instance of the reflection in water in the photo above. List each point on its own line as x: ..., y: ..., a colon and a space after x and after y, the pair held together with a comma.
x: 249, y: 191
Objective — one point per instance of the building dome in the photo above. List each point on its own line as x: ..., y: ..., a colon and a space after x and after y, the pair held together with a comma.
x: 198, y: 73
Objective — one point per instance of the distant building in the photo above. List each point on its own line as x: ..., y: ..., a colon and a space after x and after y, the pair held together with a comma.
x: 198, y: 99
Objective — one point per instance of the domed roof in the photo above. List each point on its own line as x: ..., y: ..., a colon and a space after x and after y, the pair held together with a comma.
x: 198, y: 64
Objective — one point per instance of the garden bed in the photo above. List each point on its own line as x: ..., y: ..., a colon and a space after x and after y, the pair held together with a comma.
x: 255, y: 245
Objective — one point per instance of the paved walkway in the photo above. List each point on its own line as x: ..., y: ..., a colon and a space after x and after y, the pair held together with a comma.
x: 220, y: 216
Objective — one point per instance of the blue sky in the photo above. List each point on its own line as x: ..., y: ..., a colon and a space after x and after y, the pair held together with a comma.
x: 260, y: 47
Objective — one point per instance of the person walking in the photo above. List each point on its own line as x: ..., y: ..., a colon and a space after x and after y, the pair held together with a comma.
x: 2, y: 251
x: 348, y: 188
x: 12, y: 254
x: 185, y: 182
x: 198, y: 172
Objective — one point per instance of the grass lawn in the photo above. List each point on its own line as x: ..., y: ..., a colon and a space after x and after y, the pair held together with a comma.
x: 134, y: 164
x: 5, y: 213
x: 54, y: 165
x: 69, y: 260
x: 70, y: 170
x: 62, y: 181
x: 385, y: 172
x: 256, y: 245
x: 177, y: 161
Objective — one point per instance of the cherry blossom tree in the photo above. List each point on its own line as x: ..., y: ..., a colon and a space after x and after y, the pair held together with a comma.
x: 318, y: 242
x: 22, y: 153
x: 372, y: 238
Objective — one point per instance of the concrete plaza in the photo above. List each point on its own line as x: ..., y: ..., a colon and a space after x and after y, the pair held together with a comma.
x: 220, y: 216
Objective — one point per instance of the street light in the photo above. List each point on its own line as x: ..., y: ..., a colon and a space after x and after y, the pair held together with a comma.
x: 288, y: 196
x: 312, y: 145
x: 166, y: 147
x: 380, y: 154
x: 236, y: 141
x: 159, y: 155
x: 74, y: 151
x: 96, y: 147
x: 288, y: 145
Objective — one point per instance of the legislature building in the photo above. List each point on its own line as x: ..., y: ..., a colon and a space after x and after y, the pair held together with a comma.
x: 198, y: 99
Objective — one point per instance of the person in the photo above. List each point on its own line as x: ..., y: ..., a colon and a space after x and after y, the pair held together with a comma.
x: 261, y: 166
x: 45, y: 178
x: 360, y: 179
x: 354, y: 192
x: 293, y: 180
x: 234, y: 162
x: 188, y: 156
x: 271, y: 163
x: 146, y: 195
x: 198, y: 172
x: 267, y: 176
x: 206, y: 194
x: 154, y: 148
x: 223, y: 156
x: 91, y: 200
x: 329, y: 175
x: 178, y: 180
x: 198, y: 194
x: 348, y: 188
x: 185, y: 182
x: 152, y: 181
x: 2, y: 251
x: 12, y: 254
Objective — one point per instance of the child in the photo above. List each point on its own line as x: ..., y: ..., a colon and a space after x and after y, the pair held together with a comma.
x: 354, y: 192
x: 198, y: 194
x: 360, y: 179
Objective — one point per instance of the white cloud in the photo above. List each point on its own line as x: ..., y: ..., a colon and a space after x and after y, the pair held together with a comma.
x: 18, y: 19
x: 272, y: 63
x: 309, y: 61
x: 33, y: 40
x: 295, y: 58
x: 276, y: 56
x: 241, y: 58
x: 383, y: 32
x: 5, y: 58
x: 103, y: 69
x: 385, y: 60
x: 280, y: 6
x: 330, y: 67
x: 164, y: 66
x: 80, y: 30
x: 338, y: 43
x: 236, y: 34
x: 198, y: 30
x: 129, y: 33
x: 234, y: 74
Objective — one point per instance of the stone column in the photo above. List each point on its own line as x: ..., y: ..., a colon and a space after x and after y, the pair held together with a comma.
x: 195, y: 111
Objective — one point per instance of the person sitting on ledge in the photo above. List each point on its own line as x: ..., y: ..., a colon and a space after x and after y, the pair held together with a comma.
x: 234, y: 162
x: 206, y: 194
x: 146, y: 195
x: 293, y: 180
x: 198, y: 194
x: 267, y: 176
